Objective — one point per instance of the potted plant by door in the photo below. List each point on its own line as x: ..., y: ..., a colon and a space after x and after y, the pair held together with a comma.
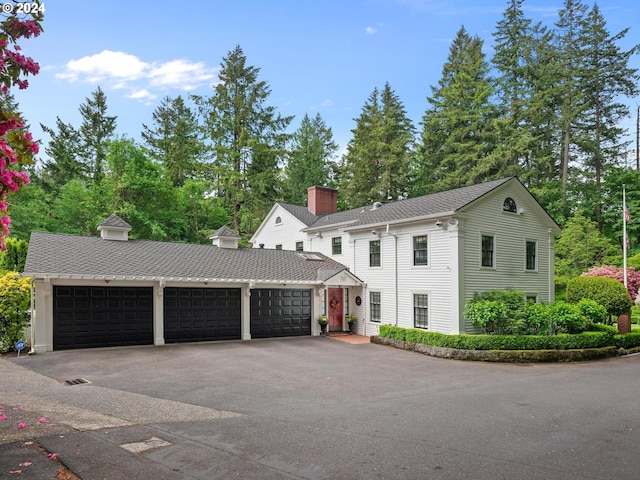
x: 323, y: 321
x: 351, y: 319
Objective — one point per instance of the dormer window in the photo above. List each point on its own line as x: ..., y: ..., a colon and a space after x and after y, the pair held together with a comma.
x: 509, y: 205
x: 278, y: 220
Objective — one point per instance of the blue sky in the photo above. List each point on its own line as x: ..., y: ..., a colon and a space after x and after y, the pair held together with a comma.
x: 321, y: 56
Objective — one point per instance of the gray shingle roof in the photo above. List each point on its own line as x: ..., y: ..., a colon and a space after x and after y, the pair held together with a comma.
x: 114, y: 220
x: 434, y: 204
x: 301, y: 213
x: 56, y: 254
x: 224, y: 231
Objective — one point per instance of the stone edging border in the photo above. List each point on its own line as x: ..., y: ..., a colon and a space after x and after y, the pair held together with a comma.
x: 509, y: 356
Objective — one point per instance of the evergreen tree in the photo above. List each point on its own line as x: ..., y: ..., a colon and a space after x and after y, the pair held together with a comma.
x: 248, y: 139
x: 607, y: 78
x: 570, y: 44
x: 524, y: 61
x: 310, y: 160
x: 458, y: 140
x: 377, y: 164
x: 174, y: 140
x: 65, y: 161
x: 96, y: 129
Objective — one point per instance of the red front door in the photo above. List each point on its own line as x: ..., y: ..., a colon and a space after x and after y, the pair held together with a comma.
x: 336, y: 309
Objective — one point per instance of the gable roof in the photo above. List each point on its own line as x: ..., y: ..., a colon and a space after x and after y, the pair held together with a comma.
x: 57, y: 255
x: 436, y: 204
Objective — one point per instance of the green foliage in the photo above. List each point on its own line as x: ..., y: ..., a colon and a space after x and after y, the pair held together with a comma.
x: 376, y: 167
x: 592, y: 311
x: 173, y: 140
x: 499, y: 342
x: 580, y: 246
x: 490, y: 315
x: 608, y: 292
x: 13, y: 258
x: 14, y: 309
x: 248, y: 140
x: 627, y: 340
x: 457, y: 146
x: 310, y: 160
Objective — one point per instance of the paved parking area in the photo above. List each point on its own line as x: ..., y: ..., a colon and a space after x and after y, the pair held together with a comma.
x: 317, y: 408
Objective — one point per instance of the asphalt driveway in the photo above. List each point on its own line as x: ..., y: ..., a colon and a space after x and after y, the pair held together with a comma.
x: 317, y: 408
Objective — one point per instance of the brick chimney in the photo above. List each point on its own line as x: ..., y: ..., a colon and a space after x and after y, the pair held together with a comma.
x: 322, y: 200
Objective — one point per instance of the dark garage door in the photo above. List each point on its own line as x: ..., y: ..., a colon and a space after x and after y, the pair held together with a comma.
x: 102, y: 316
x: 201, y: 314
x: 280, y: 313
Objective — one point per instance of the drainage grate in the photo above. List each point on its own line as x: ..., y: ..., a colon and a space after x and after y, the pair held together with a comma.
x: 76, y: 381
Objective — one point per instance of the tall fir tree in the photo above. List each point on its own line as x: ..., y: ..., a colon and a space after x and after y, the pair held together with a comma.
x: 173, y: 140
x: 96, y: 129
x: 311, y: 159
x: 607, y: 78
x: 248, y: 139
x: 522, y: 59
x: 65, y: 161
x: 378, y: 161
x: 570, y: 44
x: 458, y: 141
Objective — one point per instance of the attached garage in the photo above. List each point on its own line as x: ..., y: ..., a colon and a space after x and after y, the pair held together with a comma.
x: 280, y: 312
x: 201, y: 314
x: 85, y: 316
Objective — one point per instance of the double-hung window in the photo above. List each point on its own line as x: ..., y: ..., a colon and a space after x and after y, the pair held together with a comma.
x: 374, y: 253
x: 421, y: 310
x: 531, y: 256
x: 420, y: 251
x: 488, y: 251
x: 336, y: 245
x: 375, y: 306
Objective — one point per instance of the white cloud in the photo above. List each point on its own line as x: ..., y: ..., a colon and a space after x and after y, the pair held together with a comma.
x: 370, y: 30
x: 143, y: 80
x: 181, y: 74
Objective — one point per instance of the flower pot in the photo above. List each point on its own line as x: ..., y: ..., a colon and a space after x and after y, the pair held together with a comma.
x: 323, y: 329
x: 351, y: 327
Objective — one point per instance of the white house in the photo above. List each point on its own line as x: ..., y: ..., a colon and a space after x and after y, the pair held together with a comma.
x: 422, y: 259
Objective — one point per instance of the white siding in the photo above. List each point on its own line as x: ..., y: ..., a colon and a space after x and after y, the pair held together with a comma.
x: 510, y: 231
x: 286, y: 233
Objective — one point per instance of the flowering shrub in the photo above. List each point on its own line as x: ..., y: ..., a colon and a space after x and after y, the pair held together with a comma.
x: 617, y: 273
x: 16, y: 143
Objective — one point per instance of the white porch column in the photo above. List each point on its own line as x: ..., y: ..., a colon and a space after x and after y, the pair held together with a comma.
x: 42, y: 320
x: 245, y: 311
x: 158, y: 313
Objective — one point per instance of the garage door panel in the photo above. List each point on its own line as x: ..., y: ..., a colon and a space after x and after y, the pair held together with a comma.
x: 99, y: 316
x: 280, y: 312
x: 202, y: 314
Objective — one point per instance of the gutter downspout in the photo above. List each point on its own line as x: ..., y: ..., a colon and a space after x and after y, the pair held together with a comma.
x: 395, y: 247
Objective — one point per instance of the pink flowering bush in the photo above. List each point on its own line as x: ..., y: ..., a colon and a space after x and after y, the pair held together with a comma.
x: 617, y: 273
x: 17, y: 146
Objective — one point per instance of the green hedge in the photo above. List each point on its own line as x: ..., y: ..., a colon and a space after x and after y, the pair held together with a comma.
x: 627, y: 340
x: 592, y: 339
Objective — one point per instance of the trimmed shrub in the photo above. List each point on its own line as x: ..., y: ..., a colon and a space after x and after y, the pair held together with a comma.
x: 617, y: 273
x: 489, y: 315
x: 13, y: 258
x: 608, y: 292
x: 596, y: 339
x: 627, y: 340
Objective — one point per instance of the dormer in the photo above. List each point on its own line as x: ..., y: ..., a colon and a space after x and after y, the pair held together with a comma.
x: 224, y: 237
x: 114, y: 228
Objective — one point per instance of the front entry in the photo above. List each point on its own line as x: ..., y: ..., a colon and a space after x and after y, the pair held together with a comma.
x: 336, y: 309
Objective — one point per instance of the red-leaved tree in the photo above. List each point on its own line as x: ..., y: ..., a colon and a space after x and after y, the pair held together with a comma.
x: 17, y: 147
x: 617, y: 273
